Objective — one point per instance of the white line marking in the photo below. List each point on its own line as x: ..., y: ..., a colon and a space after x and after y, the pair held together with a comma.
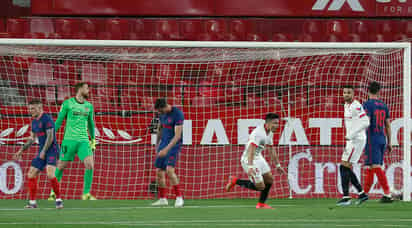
x: 144, y: 207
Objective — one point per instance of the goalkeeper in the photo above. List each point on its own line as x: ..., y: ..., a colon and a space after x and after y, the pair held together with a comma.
x: 80, y: 123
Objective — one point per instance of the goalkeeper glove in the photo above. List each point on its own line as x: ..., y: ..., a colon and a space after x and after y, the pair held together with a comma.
x: 93, y: 144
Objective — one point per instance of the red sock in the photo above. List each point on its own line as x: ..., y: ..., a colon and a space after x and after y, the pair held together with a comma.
x: 55, y: 185
x: 383, y: 181
x: 32, y: 184
x: 162, y: 192
x: 176, y: 190
x: 368, y: 180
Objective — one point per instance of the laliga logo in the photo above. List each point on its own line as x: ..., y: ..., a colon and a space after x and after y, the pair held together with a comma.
x: 337, y: 5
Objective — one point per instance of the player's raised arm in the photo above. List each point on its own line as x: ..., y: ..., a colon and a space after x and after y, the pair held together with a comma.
x: 27, y: 145
x: 275, y: 157
x: 388, y: 134
x: 62, y: 115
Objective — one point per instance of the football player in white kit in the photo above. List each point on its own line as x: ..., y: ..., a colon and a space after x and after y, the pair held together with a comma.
x: 356, y: 122
x: 255, y: 165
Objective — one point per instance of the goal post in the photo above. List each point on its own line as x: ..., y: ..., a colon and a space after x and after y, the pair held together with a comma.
x: 224, y: 89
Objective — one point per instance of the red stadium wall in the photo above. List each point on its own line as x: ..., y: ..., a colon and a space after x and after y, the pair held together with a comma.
x: 279, y: 8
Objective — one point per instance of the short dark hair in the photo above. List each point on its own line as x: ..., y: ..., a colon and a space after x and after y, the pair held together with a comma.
x: 79, y: 86
x: 35, y: 101
x: 271, y: 116
x: 374, y: 87
x: 349, y: 87
x: 160, y: 103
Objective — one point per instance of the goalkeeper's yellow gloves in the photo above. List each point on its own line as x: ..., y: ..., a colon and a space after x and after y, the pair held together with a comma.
x: 93, y: 144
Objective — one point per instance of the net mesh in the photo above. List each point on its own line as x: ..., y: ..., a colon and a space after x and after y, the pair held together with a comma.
x: 224, y: 94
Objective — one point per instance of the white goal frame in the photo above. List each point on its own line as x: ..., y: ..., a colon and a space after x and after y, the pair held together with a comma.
x: 406, y: 46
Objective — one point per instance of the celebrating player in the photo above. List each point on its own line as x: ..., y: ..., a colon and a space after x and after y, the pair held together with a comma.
x: 255, y: 165
x: 80, y: 123
x: 356, y: 122
x: 168, y: 146
x: 42, y: 127
x: 377, y: 141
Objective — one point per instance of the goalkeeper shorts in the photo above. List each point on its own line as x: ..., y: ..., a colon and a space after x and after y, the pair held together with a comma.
x: 72, y: 147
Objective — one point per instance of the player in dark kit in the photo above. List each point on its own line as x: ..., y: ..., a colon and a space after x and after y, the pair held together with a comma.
x: 378, y: 140
x: 42, y: 127
x: 168, y: 146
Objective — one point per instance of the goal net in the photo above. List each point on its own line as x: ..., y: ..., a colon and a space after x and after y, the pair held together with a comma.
x: 224, y: 90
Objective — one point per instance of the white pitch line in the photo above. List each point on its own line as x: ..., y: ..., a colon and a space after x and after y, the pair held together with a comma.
x: 143, y: 207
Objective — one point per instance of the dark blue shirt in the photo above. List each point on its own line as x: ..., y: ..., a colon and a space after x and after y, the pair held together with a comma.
x: 39, y: 127
x: 378, y: 112
x: 168, y: 122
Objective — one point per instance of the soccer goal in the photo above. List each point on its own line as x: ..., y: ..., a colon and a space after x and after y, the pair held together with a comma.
x: 224, y: 90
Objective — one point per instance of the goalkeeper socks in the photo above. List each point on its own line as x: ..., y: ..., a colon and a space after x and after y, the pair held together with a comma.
x: 55, y: 186
x: 354, y: 180
x: 87, y: 180
x: 246, y: 184
x: 383, y: 181
x: 32, y: 184
x: 58, y: 173
x: 176, y: 190
x: 345, y: 179
x: 265, y: 193
x: 162, y: 193
x: 368, y: 180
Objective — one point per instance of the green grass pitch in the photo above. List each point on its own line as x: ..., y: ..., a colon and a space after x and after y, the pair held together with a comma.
x: 206, y: 213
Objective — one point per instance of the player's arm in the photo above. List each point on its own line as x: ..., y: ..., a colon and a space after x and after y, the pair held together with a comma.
x: 388, y: 134
x: 62, y: 115
x: 251, y: 151
x: 90, y: 127
x: 274, y: 157
x: 159, y: 134
x: 27, y: 145
x: 48, y: 143
x: 175, y: 139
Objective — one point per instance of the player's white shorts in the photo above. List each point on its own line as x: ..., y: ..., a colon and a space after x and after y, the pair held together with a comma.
x: 353, y: 150
x: 262, y: 167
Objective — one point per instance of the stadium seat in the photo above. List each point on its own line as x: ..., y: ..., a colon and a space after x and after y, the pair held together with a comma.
x: 104, y: 99
x: 40, y: 74
x: 406, y: 27
x: 67, y: 27
x: 88, y: 29
x: 216, y: 28
x: 129, y: 98
x: 360, y: 27
x: 17, y: 26
x: 333, y: 38
x: 312, y: 27
x: 238, y: 28
x: 50, y: 96
x: 168, y: 74
x: 354, y: 37
x: 168, y: 29
x: 387, y: 27
x: 305, y: 37
x: 190, y: 29
x: 34, y: 92
x: 42, y: 25
x: 401, y: 37
x: 54, y: 35
x: 94, y: 73
x: 137, y: 29
x: 63, y: 93
x: 337, y: 27
x: 377, y: 37
x: 255, y: 37
x: 2, y: 25
x: 204, y: 101
x: 282, y: 37
x: 118, y: 28
x: 65, y: 74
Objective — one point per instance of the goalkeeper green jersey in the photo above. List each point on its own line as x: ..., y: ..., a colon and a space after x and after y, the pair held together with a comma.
x: 79, y: 120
